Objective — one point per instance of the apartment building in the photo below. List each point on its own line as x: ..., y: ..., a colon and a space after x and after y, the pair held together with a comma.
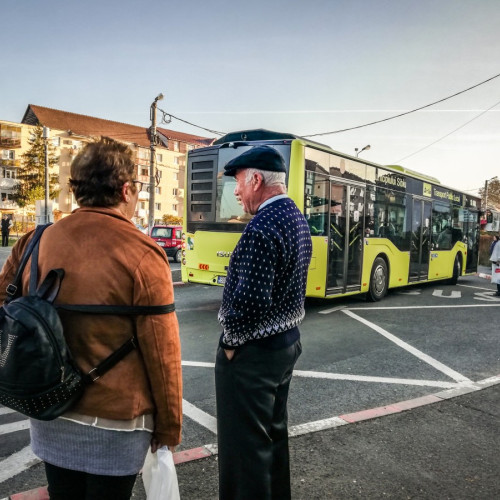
x: 69, y: 132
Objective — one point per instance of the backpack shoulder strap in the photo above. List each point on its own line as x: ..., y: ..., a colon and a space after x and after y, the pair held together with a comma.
x: 117, y: 310
x: 13, y: 289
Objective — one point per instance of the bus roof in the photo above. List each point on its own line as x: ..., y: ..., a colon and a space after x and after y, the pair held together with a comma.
x: 261, y: 134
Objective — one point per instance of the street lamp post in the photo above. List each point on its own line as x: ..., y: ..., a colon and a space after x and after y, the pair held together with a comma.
x: 366, y: 148
x: 486, y: 191
x: 45, y: 135
x: 151, y: 218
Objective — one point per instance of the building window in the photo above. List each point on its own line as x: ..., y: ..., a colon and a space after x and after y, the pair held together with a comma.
x: 159, y: 157
x: 143, y: 153
x: 9, y: 173
x: 176, y: 160
x: 157, y: 206
x: 10, y: 136
x: 142, y: 205
x: 8, y: 154
x: 175, y: 191
x: 176, y: 145
x: 158, y: 190
x: 174, y: 207
x: 144, y: 171
x: 56, y: 141
x: 176, y: 176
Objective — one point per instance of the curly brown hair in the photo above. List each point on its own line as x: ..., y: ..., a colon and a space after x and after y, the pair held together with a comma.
x: 99, y: 172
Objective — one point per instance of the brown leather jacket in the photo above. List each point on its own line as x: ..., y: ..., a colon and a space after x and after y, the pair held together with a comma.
x: 107, y: 260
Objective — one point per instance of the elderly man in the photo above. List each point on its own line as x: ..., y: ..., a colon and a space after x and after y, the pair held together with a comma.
x: 262, y: 306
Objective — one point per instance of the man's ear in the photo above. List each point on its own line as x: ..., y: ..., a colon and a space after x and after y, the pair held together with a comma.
x: 257, y: 181
x: 125, y: 192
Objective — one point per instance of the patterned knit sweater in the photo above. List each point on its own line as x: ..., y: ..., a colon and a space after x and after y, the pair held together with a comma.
x: 266, y: 280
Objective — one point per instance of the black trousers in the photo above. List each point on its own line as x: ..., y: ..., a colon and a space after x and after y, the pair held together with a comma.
x: 5, y: 238
x: 65, y: 484
x: 252, y: 422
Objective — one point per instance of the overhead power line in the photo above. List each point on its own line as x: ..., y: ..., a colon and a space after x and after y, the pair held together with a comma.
x: 448, y: 134
x: 167, y: 118
x: 405, y: 113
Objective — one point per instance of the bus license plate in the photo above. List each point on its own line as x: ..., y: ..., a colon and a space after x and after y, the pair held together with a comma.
x: 221, y: 280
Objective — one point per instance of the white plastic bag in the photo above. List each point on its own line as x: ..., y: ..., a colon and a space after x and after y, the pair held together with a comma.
x: 159, y: 476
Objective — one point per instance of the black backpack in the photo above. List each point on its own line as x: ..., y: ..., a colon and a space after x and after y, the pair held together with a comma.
x: 38, y: 376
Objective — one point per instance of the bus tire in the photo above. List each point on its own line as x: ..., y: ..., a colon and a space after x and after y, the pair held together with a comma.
x: 457, y: 271
x: 178, y: 256
x: 379, y: 280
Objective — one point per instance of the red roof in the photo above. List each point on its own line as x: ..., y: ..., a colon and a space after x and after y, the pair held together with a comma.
x: 96, y: 127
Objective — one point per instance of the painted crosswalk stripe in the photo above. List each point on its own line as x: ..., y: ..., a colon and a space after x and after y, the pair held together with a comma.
x: 14, y: 427
x: 16, y: 463
x: 199, y: 416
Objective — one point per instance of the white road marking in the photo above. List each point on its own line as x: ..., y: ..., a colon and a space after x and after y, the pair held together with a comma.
x: 17, y: 463
x: 333, y: 309
x: 198, y: 363
x: 199, y: 416
x: 14, y: 427
x: 5, y: 411
x: 417, y: 291
x: 487, y: 296
x: 453, y: 294
x: 477, y: 287
x: 377, y: 380
x: 394, y: 308
x: 318, y: 425
x: 407, y: 347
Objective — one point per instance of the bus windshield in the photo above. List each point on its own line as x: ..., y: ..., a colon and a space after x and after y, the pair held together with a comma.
x: 228, y: 209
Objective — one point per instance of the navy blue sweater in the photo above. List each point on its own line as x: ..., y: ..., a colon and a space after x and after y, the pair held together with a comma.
x: 266, y: 280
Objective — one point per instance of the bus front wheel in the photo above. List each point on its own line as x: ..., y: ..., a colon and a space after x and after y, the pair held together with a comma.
x: 379, y: 280
x: 457, y: 271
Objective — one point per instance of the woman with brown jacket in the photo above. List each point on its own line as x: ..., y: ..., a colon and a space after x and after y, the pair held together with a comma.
x: 96, y: 449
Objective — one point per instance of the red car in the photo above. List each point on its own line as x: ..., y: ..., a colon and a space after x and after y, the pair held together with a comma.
x: 170, y: 239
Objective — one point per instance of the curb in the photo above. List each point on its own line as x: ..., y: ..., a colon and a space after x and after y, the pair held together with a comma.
x: 209, y: 450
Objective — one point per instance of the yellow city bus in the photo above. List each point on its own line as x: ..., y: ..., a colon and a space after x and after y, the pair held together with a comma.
x: 373, y: 227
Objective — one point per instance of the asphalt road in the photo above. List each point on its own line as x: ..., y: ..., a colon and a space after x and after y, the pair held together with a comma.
x: 417, y: 342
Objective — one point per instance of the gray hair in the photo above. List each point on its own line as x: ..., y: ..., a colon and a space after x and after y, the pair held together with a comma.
x: 269, y: 178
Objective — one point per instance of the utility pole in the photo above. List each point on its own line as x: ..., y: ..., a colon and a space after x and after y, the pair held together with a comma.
x: 151, y: 218
x: 45, y: 135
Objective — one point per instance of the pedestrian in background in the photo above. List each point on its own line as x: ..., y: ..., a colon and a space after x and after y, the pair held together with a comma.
x: 493, y: 243
x: 96, y: 450
x: 6, y: 225
x: 262, y: 306
x: 495, y: 265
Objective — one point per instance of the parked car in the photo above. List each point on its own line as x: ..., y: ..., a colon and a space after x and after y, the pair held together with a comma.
x: 170, y: 239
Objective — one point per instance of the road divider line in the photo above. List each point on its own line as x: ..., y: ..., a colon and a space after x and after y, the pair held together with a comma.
x: 14, y: 427
x: 201, y: 364
x: 412, y: 350
x: 478, y: 287
x: 354, y: 378
x: 377, y: 380
x: 394, y: 308
x: 199, y: 416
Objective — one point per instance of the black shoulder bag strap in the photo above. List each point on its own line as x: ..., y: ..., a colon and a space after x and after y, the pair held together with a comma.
x: 14, y: 289
x: 131, y: 343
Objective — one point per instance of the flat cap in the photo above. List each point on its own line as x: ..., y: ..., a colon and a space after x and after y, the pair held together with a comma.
x: 260, y: 157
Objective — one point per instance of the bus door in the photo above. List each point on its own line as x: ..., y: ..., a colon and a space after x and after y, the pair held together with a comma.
x: 345, y: 237
x: 420, y: 240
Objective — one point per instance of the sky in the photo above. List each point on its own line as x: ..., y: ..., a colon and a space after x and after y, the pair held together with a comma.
x: 302, y: 67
